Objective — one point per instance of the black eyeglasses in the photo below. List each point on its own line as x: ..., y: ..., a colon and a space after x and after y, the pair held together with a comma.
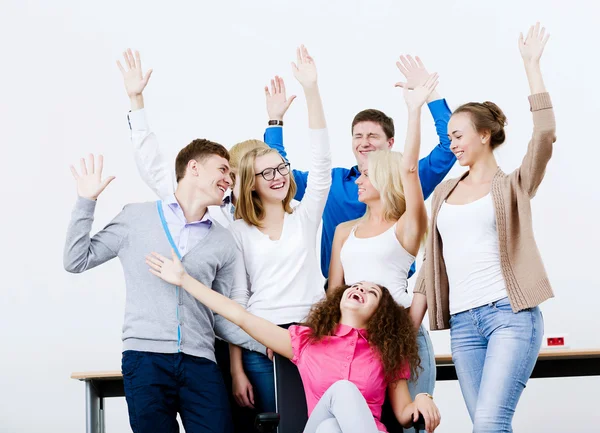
x: 269, y: 173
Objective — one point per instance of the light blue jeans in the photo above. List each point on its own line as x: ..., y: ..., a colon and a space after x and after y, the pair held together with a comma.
x: 494, y: 351
x: 426, y: 380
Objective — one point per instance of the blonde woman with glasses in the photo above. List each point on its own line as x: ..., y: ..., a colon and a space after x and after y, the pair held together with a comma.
x: 278, y: 242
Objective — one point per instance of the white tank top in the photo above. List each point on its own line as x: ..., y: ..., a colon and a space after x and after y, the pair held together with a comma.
x: 471, y: 253
x: 380, y: 259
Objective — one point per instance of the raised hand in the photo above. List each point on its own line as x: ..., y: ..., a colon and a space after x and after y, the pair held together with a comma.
x: 305, y: 69
x: 532, y: 46
x: 277, y: 103
x: 90, y: 185
x: 172, y: 271
x: 414, y: 72
x: 417, y: 97
x: 135, y: 81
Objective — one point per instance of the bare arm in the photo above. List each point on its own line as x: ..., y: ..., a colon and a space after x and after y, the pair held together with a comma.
x: 407, y: 411
x: 235, y: 356
x: 336, y: 270
x: 242, y: 388
x: 531, y: 49
x: 305, y: 72
x: 267, y: 333
x: 414, y: 219
x: 418, y: 309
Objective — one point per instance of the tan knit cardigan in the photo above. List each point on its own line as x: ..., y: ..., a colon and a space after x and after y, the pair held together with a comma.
x: 526, y: 280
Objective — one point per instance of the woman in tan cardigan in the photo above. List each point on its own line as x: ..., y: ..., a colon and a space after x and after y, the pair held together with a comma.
x: 483, y: 276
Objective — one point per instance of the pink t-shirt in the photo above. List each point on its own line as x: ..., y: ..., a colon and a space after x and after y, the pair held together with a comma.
x: 346, y: 355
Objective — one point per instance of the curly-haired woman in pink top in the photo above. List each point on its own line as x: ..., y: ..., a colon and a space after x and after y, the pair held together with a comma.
x: 357, y: 342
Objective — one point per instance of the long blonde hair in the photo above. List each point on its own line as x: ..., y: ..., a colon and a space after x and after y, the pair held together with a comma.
x: 238, y: 150
x: 249, y: 205
x: 384, y: 174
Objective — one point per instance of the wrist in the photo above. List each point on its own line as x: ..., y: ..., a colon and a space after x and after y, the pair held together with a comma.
x: 414, y: 110
x: 137, y: 102
x: 237, y: 371
x: 531, y: 64
x: 87, y: 197
x: 310, y: 87
x: 185, y: 280
x: 434, y: 96
x: 424, y: 395
x: 276, y: 121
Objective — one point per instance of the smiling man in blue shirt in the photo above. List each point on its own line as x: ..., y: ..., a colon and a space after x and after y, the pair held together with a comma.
x: 371, y: 130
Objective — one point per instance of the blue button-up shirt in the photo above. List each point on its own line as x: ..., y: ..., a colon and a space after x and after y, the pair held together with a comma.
x: 342, y: 203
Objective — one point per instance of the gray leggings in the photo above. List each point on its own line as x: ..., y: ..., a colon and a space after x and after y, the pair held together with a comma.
x: 342, y: 409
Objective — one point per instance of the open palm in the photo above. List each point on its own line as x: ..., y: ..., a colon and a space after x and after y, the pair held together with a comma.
x: 414, y: 72
x: 533, y: 45
x: 135, y: 81
x: 171, y: 271
x: 304, y: 69
x: 277, y: 102
x: 89, y: 183
x: 417, y: 97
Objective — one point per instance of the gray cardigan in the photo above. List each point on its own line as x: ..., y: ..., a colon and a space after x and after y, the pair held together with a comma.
x: 159, y: 317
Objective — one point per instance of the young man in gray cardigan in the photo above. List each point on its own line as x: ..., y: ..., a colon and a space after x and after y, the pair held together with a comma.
x: 168, y: 337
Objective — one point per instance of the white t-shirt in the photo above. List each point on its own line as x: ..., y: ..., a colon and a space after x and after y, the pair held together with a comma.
x: 284, y: 275
x: 471, y: 253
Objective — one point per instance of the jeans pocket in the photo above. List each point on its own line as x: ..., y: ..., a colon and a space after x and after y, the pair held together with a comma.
x: 503, y: 305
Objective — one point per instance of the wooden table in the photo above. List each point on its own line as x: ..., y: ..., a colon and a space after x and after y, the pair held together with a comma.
x: 551, y: 363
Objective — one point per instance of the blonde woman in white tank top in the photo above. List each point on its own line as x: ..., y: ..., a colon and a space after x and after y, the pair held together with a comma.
x: 382, y: 245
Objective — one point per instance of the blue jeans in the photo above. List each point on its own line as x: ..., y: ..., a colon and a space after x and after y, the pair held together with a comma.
x: 426, y: 380
x: 259, y: 369
x: 494, y: 351
x: 160, y: 385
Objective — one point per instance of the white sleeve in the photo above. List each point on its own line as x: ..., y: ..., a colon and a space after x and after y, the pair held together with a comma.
x: 151, y: 163
x: 240, y: 292
x: 319, y: 177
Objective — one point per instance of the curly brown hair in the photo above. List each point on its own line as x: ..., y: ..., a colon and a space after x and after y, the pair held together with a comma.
x: 389, y: 330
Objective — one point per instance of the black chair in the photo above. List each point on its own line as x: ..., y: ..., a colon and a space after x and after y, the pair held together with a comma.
x: 266, y: 422
x: 291, y: 403
x: 290, y: 400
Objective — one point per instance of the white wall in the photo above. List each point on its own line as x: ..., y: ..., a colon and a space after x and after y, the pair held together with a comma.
x: 62, y: 96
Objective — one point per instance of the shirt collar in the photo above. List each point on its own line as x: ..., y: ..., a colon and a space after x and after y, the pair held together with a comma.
x: 226, y: 199
x: 171, y: 200
x: 353, y: 173
x: 343, y: 330
x: 174, y: 206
